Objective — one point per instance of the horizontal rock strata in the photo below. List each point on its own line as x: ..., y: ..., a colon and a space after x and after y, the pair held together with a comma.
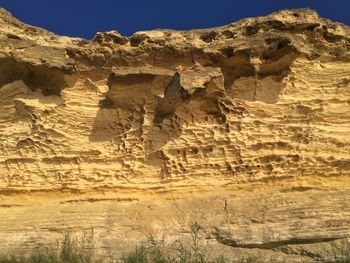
x: 242, y: 130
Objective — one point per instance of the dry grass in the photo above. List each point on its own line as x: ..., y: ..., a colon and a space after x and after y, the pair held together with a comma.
x: 152, y: 250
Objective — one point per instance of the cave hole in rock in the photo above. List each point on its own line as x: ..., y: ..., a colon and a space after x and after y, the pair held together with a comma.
x: 49, y: 80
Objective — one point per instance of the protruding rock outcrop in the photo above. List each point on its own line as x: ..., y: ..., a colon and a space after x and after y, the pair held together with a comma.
x: 242, y: 129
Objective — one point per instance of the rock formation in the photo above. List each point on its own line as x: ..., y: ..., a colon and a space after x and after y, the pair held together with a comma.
x: 242, y: 130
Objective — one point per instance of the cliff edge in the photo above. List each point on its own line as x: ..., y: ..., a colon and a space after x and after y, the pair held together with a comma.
x: 242, y: 130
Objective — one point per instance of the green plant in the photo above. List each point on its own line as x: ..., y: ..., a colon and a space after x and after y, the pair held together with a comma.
x: 221, y: 259
x: 68, y: 250
x: 44, y: 255
x: 193, y: 250
x: 10, y: 259
x: 77, y: 250
x: 150, y: 250
x: 138, y: 255
x: 157, y: 249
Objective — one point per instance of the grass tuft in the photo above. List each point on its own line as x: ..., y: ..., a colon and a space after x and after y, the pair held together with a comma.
x: 152, y: 250
x: 69, y: 250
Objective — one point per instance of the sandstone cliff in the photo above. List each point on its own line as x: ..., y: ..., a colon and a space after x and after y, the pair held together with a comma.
x: 241, y: 129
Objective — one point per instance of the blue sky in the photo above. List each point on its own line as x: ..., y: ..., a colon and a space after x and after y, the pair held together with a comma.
x: 84, y: 18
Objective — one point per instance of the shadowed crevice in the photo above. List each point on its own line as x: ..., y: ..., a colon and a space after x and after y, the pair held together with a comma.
x: 49, y: 80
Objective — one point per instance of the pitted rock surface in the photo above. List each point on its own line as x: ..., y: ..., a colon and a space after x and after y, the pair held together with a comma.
x: 241, y: 129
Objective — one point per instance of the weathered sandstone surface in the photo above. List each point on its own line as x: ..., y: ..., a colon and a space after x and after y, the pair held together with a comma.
x: 243, y: 130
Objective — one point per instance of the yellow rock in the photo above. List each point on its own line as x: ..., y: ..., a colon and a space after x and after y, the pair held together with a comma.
x: 241, y: 129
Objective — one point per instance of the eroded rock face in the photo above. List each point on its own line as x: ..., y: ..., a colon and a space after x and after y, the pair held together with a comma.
x: 242, y: 130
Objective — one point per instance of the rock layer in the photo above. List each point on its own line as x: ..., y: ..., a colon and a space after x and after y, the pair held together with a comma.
x: 242, y: 130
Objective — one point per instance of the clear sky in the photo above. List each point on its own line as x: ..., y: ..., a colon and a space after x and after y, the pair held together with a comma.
x: 84, y: 18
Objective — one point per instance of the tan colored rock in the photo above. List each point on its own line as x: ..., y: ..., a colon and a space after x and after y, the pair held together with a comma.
x: 241, y: 129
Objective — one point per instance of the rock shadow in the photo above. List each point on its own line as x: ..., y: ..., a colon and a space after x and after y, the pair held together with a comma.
x: 49, y: 80
x: 136, y: 114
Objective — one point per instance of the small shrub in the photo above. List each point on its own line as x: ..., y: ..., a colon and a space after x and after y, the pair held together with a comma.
x: 151, y: 250
x: 44, y: 255
x: 10, y: 259
x: 77, y: 250
x: 192, y: 251
x: 139, y: 255
x: 69, y: 250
